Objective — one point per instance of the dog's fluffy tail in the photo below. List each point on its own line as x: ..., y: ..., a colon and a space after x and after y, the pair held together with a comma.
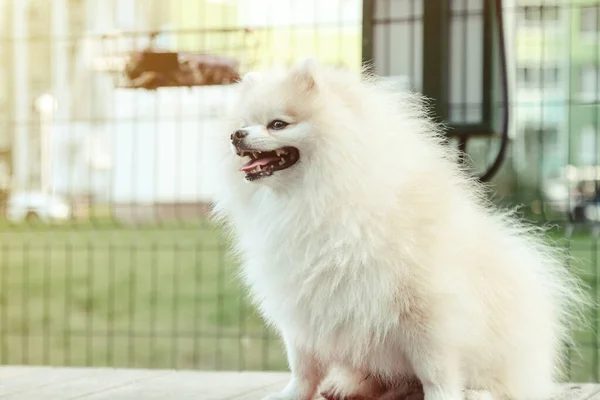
x: 559, y: 279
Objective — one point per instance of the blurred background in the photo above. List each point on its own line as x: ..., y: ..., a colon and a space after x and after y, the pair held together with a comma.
x: 107, y: 257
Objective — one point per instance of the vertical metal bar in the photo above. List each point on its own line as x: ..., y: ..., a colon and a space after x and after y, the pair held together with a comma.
x: 154, y: 303
x: 25, y: 315
x: 68, y: 302
x: 487, y: 75
x: 89, y: 352
x: 385, y: 63
x: 412, y: 53
x: 5, y: 268
x: 175, y: 310
x: 220, y: 303
x: 197, y: 304
x: 242, y: 333
x: 9, y: 84
x: 464, y: 15
x: 436, y: 42
x: 542, y: 115
x: 131, y: 333
x: 59, y: 51
x: 111, y: 306
x: 367, y: 33
x: 594, y: 240
x: 22, y: 102
x: 47, y: 301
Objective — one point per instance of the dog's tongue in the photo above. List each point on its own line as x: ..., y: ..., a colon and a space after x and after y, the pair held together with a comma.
x: 250, y: 165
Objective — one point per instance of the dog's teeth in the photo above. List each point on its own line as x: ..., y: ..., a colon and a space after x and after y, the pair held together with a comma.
x: 278, y: 152
x: 259, y: 168
x: 281, y: 162
x: 255, y: 154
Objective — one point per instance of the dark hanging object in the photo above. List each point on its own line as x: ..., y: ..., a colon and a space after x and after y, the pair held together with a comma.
x: 153, y: 68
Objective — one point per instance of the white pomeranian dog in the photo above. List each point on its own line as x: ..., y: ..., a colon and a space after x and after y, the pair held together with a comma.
x: 373, y: 253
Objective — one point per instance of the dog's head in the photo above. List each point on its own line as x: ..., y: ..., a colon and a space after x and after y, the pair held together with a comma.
x: 324, y: 128
x: 277, y: 123
x: 322, y: 135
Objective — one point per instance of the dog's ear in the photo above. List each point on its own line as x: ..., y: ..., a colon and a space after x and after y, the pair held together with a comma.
x: 305, y: 74
x: 249, y: 79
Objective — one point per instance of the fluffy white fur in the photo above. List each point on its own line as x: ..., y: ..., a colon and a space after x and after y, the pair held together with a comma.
x: 377, y: 255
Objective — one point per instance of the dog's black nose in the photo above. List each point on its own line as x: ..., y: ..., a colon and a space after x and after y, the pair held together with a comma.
x: 238, y: 135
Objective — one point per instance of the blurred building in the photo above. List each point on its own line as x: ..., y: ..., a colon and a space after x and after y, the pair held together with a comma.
x: 47, y: 85
x: 557, y: 58
x: 72, y: 132
x: 62, y: 119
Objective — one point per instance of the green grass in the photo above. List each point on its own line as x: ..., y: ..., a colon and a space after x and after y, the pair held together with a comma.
x: 161, y: 297
x: 164, y: 298
x: 585, y: 359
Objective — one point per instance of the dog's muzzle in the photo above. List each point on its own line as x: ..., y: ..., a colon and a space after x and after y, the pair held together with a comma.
x: 237, y: 138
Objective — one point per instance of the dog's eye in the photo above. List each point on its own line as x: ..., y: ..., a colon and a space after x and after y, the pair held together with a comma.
x: 277, y: 124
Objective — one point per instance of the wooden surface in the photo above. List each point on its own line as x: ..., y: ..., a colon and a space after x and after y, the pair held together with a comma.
x: 39, y: 383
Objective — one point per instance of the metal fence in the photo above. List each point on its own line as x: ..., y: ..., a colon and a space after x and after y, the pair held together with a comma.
x: 107, y: 257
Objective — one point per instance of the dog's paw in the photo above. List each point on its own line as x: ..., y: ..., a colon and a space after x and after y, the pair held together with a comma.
x: 334, y: 393
x: 344, y: 384
x: 362, y: 393
x: 334, y: 396
x: 342, y: 393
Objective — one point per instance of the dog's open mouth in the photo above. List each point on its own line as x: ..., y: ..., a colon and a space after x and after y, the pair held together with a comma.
x: 264, y: 163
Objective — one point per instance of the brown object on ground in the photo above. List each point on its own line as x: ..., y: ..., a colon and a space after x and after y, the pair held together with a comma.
x: 405, y: 389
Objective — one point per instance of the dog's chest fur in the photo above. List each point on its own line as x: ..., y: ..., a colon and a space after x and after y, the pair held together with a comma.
x: 327, y: 287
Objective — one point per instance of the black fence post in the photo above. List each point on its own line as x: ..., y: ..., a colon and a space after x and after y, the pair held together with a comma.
x: 436, y: 44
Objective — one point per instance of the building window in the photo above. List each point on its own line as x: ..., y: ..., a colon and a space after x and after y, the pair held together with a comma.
x: 588, y: 143
x: 590, y: 19
x: 541, y: 15
x: 525, y: 77
x: 126, y: 15
x: 550, y: 77
x: 589, y: 83
x: 541, y: 77
x: 542, y: 147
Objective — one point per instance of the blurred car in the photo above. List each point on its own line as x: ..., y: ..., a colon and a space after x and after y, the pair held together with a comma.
x: 576, y: 194
x: 590, y: 203
x: 36, y: 206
